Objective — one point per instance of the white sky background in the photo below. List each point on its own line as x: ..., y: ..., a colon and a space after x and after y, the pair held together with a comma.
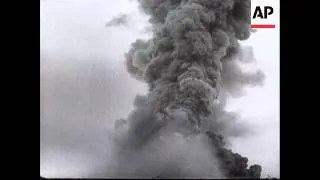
x: 85, y: 86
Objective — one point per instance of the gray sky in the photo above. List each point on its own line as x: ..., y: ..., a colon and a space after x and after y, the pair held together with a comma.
x: 82, y: 63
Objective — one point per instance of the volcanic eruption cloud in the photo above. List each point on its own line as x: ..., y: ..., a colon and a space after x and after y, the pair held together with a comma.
x: 191, y: 65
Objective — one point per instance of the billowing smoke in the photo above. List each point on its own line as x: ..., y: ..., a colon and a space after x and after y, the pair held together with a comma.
x: 192, y: 66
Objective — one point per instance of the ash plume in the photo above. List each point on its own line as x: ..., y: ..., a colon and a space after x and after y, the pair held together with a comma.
x: 191, y: 64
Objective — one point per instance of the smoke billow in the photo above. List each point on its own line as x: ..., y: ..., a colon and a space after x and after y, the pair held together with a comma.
x: 191, y: 64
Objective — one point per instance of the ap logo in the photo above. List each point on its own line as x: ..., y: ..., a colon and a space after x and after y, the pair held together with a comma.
x: 263, y: 13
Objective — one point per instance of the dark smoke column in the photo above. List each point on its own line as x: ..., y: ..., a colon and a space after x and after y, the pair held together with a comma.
x: 188, y: 64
